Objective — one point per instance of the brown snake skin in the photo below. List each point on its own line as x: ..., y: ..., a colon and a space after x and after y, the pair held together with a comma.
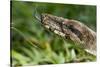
x: 73, y: 30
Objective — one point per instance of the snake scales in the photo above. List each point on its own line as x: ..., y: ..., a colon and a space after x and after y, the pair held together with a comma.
x: 72, y: 30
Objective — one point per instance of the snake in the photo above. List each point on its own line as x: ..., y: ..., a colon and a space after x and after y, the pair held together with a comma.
x: 70, y: 29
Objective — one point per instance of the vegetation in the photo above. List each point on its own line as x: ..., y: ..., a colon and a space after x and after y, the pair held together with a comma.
x: 32, y: 44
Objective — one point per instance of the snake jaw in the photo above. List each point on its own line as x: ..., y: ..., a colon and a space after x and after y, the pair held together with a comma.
x: 56, y: 31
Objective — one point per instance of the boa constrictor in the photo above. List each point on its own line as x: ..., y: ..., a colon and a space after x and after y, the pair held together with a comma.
x: 72, y: 30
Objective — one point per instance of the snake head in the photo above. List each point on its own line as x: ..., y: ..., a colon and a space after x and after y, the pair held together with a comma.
x: 63, y: 27
x: 72, y: 30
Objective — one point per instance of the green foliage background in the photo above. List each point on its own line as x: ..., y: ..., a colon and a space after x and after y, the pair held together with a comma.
x: 31, y: 44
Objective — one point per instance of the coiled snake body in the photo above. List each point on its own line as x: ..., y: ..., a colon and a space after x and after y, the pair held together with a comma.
x: 73, y: 30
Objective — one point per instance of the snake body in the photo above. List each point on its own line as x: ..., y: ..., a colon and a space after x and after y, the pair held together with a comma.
x: 72, y: 30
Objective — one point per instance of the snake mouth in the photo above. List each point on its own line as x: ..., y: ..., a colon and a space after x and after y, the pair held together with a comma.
x: 55, y: 31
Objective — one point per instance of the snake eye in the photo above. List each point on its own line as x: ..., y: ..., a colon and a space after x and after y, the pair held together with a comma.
x: 75, y: 31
